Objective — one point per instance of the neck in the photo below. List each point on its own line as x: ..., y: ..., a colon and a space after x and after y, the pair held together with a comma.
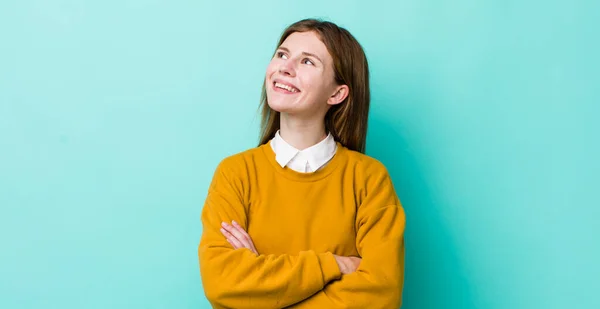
x: 300, y: 133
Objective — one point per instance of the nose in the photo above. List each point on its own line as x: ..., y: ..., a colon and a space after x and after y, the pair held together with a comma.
x: 287, y: 68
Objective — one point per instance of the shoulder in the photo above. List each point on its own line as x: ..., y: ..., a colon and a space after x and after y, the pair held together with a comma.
x: 372, y: 182
x: 241, y: 161
x: 234, y: 172
x: 365, y: 165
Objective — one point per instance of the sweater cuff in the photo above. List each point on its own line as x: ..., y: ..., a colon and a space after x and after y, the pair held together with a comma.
x: 329, y: 267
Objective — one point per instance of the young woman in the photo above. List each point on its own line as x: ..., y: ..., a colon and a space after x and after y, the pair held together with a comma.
x: 306, y: 220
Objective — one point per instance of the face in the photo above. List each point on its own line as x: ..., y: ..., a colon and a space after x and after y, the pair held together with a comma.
x: 300, y: 78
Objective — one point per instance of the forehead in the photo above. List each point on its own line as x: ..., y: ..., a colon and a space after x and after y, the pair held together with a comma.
x: 308, y: 42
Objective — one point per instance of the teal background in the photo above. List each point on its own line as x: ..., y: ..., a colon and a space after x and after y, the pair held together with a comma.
x: 114, y: 114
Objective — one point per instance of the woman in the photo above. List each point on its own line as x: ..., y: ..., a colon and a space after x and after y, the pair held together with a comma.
x: 306, y: 220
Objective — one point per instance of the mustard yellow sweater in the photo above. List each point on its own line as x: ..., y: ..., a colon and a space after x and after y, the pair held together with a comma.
x: 297, y: 222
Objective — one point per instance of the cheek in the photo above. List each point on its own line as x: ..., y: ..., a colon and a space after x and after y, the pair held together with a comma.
x: 271, y: 68
x: 314, y: 82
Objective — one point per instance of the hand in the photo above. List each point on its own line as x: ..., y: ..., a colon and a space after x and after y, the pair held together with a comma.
x: 237, y: 237
x: 347, y: 264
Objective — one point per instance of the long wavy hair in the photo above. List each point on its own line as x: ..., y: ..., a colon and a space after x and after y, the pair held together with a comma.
x: 347, y: 121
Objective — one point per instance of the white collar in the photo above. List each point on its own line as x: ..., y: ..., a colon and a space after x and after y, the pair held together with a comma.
x: 307, y: 160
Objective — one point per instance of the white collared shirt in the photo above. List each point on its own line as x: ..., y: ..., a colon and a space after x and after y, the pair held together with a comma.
x: 305, y: 161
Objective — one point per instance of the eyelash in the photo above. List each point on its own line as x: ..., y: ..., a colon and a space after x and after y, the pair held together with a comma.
x: 280, y: 54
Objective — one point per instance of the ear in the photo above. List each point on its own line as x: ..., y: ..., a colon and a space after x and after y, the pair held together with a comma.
x: 340, y: 94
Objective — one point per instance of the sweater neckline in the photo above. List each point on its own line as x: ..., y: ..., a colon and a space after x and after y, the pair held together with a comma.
x: 338, y: 158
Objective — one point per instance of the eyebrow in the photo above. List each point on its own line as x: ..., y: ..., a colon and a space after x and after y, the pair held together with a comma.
x: 304, y: 53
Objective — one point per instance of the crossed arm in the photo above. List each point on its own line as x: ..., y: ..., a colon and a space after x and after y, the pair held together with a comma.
x: 235, y: 275
x: 239, y: 238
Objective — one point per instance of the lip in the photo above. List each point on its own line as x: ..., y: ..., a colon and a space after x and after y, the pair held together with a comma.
x: 276, y: 80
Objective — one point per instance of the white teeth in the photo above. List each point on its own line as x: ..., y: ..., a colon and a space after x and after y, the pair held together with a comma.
x: 286, y: 87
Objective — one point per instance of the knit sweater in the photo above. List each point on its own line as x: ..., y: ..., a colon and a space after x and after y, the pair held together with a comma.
x: 297, y: 222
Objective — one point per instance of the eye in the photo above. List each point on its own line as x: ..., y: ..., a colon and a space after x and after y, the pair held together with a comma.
x: 281, y: 55
x: 308, y: 61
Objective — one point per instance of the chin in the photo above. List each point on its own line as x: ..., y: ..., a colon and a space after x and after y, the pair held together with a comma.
x: 279, y: 106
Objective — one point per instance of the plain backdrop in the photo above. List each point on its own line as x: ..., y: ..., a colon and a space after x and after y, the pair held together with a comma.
x: 114, y: 115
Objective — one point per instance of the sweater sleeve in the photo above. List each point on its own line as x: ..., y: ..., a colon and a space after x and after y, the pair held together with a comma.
x: 239, y: 278
x: 379, y: 279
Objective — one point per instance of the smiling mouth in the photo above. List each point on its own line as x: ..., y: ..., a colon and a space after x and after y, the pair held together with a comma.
x: 285, y: 88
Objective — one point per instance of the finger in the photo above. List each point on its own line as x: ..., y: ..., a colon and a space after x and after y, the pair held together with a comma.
x: 248, y: 239
x: 235, y: 243
x: 235, y: 240
x: 240, y: 229
x: 240, y: 235
x: 246, y: 235
x: 235, y: 232
x: 232, y: 240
